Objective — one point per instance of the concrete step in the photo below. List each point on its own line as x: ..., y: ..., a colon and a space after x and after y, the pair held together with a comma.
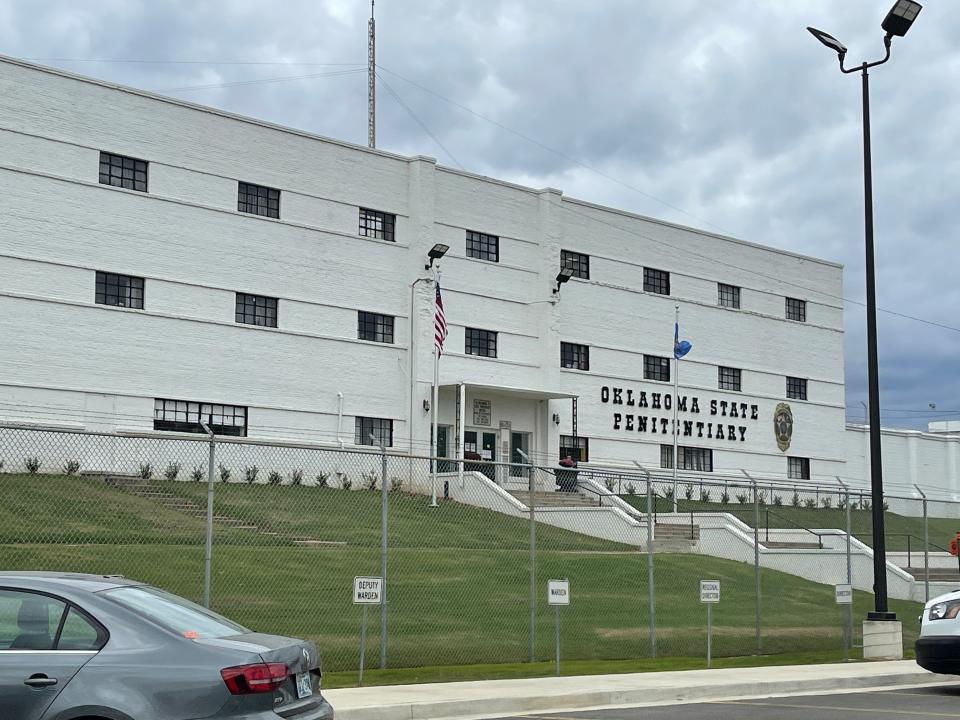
x: 788, y: 545
x: 664, y: 531
x: 555, y: 499
x: 935, y: 574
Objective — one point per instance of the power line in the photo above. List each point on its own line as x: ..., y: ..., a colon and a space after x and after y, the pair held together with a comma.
x: 193, y: 62
x: 419, y: 122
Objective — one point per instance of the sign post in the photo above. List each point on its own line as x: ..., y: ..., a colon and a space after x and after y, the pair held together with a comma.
x: 844, y: 596
x: 366, y: 591
x: 558, y: 593
x: 709, y: 596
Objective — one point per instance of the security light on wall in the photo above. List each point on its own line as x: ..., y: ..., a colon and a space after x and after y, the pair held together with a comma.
x: 563, y: 276
x: 436, y: 252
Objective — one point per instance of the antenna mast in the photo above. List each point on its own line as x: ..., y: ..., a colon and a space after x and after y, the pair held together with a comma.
x: 371, y: 80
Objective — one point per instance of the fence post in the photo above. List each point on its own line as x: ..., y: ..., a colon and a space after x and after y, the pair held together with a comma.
x: 650, y: 586
x: 756, y: 556
x: 849, y: 628
x: 533, y: 570
x: 208, y: 550
x: 926, y: 548
x: 383, y: 550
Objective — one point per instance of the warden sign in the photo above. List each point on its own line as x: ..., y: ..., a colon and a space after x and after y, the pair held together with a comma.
x: 558, y: 592
x: 367, y: 590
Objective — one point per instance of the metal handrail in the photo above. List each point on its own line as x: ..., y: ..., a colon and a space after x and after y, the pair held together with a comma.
x: 794, y: 525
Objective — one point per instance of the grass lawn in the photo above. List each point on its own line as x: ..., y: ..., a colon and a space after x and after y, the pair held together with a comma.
x: 897, y: 526
x: 458, y: 587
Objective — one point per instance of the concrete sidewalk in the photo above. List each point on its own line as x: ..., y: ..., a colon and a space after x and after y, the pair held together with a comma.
x: 490, y: 698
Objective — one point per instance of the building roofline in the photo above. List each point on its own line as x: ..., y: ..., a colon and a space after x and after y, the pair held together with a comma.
x: 395, y: 156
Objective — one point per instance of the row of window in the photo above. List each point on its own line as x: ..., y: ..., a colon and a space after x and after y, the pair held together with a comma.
x: 690, y: 458
x: 577, y: 357
x: 131, y: 174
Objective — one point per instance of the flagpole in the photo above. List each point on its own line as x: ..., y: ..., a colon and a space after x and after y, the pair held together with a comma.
x: 433, y: 428
x: 676, y: 390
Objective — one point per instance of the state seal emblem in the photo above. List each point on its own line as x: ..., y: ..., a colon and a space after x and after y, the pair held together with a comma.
x: 783, y: 425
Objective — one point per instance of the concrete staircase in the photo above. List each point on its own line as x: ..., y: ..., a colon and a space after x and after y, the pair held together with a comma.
x: 555, y: 499
x: 789, y: 545
x: 948, y: 575
x: 148, y: 490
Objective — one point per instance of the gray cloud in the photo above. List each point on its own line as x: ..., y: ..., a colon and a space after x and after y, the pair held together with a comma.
x: 730, y: 111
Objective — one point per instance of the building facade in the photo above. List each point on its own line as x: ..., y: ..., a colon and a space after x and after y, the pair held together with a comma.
x: 164, y: 262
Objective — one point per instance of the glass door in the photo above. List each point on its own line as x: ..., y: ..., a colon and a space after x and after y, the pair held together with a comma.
x: 519, y: 441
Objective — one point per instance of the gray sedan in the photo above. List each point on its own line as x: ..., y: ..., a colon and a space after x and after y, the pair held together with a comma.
x: 106, y: 648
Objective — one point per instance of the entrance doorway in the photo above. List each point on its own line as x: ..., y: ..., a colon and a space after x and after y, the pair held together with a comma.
x: 444, y: 433
x: 519, y: 441
x: 486, y: 449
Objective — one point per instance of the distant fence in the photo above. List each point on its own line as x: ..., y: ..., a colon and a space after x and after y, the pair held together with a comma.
x: 466, y: 579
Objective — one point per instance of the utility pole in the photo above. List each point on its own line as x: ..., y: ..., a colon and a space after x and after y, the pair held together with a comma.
x: 371, y: 80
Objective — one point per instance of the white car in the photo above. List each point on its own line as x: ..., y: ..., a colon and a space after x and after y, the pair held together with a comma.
x: 938, y: 647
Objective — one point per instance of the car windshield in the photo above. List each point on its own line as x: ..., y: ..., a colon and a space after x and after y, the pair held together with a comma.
x: 180, y: 615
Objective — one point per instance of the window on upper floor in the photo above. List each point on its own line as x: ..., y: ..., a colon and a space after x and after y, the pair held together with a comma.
x: 656, y: 368
x: 728, y: 296
x: 256, y: 310
x: 119, y: 290
x: 480, y: 342
x: 796, y: 310
x: 573, y: 356
x: 376, y: 224
x: 728, y: 378
x: 691, y: 458
x: 122, y: 171
x: 375, y: 327
x: 185, y: 416
x: 577, y: 448
x: 577, y: 262
x: 796, y: 388
x: 798, y: 468
x: 258, y: 200
x: 483, y: 246
x: 656, y: 281
x: 380, y: 428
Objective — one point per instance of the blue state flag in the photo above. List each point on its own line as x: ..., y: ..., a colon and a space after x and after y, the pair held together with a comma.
x: 680, y: 347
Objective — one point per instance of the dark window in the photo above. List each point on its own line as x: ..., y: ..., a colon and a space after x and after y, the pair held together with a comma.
x: 28, y: 621
x: 728, y: 296
x: 576, y: 447
x: 376, y: 224
x: 796, y: 309
x: 375, y: 327
x: 691, y: 458
x: 381, y: 429
x: 481, y: 342
x: 258, y: 200
x: 729, y: 378
x: 125, y: 172
x: 796, y: 388
x: 185, y: 416
x: 256, y: 310
x: 656, y: 281
x: 798, y: 468
x: 574, y: 356
x: 656, y: 368
x: 578, y: 262
x: 120, y: 290
x: 80, y: 633
x: 483, y: 246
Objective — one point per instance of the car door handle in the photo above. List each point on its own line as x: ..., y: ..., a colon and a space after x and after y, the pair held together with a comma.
x: 40, y: 681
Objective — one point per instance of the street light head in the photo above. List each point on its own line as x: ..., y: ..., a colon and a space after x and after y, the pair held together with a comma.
x: 829, y: 40
x: 901, y: 17
x: 435, y: 253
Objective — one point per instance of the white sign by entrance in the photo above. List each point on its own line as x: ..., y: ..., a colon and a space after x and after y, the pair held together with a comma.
x: 844, y: 594
x: 367, y: 590
x: 709, y: 591
x: 558, y: 592
x: 481, y: 412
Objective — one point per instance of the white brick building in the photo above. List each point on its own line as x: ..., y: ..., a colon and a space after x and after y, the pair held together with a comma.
x: 191, y: 272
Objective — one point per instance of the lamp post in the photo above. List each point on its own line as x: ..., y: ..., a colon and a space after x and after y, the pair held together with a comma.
x: 896, y: 23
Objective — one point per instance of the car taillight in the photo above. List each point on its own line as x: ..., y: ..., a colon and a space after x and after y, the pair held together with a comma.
x: 256, y: 678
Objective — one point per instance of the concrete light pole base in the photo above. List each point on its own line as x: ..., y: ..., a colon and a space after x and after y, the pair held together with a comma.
x: 882, y: 640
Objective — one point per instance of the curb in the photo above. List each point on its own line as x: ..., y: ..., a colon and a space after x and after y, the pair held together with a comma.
x: 474, y: 702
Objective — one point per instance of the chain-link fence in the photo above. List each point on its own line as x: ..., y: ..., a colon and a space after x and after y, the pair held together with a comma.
x: 465, y: 575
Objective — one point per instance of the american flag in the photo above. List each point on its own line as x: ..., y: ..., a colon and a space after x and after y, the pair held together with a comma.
x: 439, y: 322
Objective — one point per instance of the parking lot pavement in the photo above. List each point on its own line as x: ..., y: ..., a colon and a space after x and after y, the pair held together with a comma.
x: 915, y: 703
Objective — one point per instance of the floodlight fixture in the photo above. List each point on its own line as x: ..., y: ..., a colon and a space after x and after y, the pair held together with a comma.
x: 563, y: 276
x: 435, y: 253
x: 829, y: 40
x: 901, y: 17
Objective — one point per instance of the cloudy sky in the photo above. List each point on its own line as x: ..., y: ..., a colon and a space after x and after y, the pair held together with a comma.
x: 723, y: 115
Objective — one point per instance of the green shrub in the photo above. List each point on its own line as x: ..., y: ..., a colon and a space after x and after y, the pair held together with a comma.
x: 72, y: 467
x: 172, y: 471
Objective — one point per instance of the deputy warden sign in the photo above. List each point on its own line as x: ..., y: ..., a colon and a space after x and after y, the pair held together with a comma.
x: 367, y: 590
